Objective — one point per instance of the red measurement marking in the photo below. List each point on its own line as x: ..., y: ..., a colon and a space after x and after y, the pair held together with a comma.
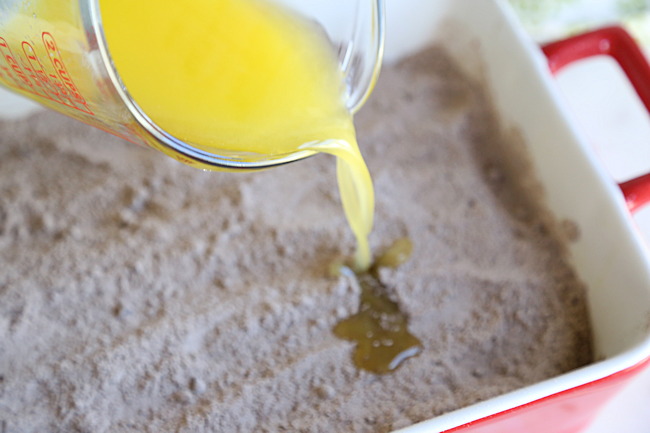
x: 29, y: 75
x: 50, y: 83
x: 35, y: 71
x: 62, y: 71
x: 13, y: 68
x: 184, y: 160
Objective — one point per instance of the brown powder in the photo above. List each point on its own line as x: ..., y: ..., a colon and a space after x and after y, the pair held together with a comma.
x: 140, y: 295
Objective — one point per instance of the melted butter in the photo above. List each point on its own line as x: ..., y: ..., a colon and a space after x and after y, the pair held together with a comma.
x: 395, y: 255
x: 244, y: 77
x: 379, y: 328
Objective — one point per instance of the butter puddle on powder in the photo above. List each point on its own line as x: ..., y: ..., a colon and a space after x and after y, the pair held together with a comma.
x: 379, y: 328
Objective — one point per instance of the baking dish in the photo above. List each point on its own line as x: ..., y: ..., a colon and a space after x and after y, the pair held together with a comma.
x: 485, y: 39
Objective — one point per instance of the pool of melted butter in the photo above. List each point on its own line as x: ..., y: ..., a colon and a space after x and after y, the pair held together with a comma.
x: 379, y: 328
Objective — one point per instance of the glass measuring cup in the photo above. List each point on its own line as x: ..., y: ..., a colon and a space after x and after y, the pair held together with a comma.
x: 55, y: 52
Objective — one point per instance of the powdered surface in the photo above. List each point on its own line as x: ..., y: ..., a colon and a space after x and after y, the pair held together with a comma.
x: 140, y: 295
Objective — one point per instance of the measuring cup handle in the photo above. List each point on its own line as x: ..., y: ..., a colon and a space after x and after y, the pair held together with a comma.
x: 615, y: 42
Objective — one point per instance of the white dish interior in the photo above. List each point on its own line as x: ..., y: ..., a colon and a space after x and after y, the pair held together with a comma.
x: 487, y: 42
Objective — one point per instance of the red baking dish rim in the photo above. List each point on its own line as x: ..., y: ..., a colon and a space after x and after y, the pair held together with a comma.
x: 615, y: 42
x: 603, y: 384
